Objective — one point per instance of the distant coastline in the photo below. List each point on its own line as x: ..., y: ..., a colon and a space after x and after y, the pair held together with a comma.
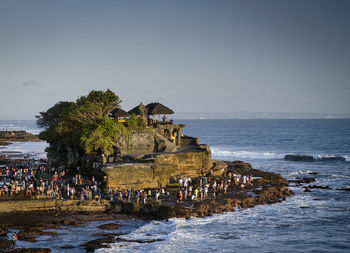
x: 259, y: 115
x: 224, y: 115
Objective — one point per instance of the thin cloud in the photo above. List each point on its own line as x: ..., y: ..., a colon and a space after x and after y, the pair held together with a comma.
x: 266, y: 89
x: 30, y: 83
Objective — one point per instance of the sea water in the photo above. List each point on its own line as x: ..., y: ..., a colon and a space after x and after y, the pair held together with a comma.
x: 34, y: 149
x: 317, y: 221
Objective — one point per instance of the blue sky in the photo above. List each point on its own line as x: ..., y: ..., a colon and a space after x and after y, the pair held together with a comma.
x: 193, y: 56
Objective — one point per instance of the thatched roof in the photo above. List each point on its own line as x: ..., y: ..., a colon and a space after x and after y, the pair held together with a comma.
x: 138, y: 110
x: 118, y: 112
x: 158, y: 108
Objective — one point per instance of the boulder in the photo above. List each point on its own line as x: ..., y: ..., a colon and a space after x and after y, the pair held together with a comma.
x: 109, y: 226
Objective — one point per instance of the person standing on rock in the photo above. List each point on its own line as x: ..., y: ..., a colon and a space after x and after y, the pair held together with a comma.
x: 14, y: 240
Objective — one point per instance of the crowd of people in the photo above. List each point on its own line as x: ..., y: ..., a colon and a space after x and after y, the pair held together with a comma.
x: 34, y: 179
x: 209, y: 185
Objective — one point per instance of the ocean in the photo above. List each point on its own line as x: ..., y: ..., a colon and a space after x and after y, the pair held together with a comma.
x: 317, y: 221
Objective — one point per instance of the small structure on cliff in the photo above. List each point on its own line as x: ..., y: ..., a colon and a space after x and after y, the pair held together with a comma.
x: 119, y: 114
x: 154, y: 109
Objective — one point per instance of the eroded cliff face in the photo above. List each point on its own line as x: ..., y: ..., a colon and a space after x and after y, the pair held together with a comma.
x: 143, y: 142
x: 160, y: 171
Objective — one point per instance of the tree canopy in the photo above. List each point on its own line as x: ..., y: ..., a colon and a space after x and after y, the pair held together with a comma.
x: 85, y: 123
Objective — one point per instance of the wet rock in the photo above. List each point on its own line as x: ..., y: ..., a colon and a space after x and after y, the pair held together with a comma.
x: 139, y: 241
x: 31, y: 235
x: 108, y: 234
x: 304, y: 180
x: 30, y: 250
x: 30, y: 226
x: 5, y: 243
x: 307, y: 190
x: 343, y: 189
x: 67, y: 246
x: 313, y: 173
x: 3, y: 230
x: 109, y: 226
x: 99, y: 243
x: 70, y: 222
x: 320, y: 187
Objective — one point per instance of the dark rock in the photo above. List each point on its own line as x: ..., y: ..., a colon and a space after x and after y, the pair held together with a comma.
x: 307, y: 190
x: 5, y: 243
x: 67, y: 246
x: 30, y: 250
x: 320, y: 187
x: 108, y: 234
x: 70, y: 222
x: 3, y: 230
x: 31, y: 235
x: 139, y: 241
x: 313, y: 173
x: 343, y: 189
x: 99, y: 243
x: 304, y: 180
x: 109, y: 226
x: 299, y: 158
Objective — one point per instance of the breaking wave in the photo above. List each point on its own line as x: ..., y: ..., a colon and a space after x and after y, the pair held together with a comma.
x: 241, y: 154
x: 226, y: 153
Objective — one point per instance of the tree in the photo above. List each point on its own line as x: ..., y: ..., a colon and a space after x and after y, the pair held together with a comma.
x: 52, y: 118
x: 92, y: 109
x: 84, y: 124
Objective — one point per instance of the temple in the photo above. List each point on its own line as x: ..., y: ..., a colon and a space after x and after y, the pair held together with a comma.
x: 157, y: 118
x: 156, y: 157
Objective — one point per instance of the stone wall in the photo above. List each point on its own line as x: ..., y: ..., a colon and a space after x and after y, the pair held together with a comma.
x: 163, y: 170
x: 24, y: 206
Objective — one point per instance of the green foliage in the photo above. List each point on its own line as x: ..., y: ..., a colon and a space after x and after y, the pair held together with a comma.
x: 102, y: 138
x: 135, y: 123
x: 92, y: 109
x: 52, y: 118
x: 84, y: 123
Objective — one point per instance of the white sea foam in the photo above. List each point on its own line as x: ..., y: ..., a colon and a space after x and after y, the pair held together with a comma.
x: 242, y: 154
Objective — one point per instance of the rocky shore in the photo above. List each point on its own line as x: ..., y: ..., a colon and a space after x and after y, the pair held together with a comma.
x: 7, y: 137
x: 12, y: 136
x: 33, y: 217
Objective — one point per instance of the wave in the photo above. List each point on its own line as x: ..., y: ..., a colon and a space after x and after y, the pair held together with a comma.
x: 314, y: 158
x: 227, y: 153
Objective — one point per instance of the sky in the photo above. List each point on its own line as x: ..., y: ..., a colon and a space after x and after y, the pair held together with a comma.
x: 192, y: 56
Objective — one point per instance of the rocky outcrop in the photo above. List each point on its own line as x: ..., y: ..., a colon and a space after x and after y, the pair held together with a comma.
x: 18, y: 136
x: 109, y: 226
x: 99, y: 243
x: 159, y: 171
x: 142, y: 142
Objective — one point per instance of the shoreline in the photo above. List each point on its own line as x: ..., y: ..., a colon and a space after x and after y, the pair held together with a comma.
x: 33, y: 217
